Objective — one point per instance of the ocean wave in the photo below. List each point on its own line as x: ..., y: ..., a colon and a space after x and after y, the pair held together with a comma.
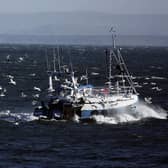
x: 13, y: 117
x: 141, y: 111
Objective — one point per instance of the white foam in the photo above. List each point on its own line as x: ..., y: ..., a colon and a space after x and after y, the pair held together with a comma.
x: 158, y: 77
x: 142, y: 111
x: 146, y: 111
x: 76, y: 118
x: 37, y: 89
x: 9, y: 116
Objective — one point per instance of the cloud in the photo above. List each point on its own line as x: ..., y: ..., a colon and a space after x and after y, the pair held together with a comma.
x: 107, y: 6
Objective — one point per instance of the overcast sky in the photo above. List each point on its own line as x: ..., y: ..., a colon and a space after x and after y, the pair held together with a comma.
x: 80, y: 21
x: 110, y: 6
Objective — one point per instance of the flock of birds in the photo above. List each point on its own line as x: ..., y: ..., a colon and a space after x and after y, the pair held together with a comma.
x: 13, y: 81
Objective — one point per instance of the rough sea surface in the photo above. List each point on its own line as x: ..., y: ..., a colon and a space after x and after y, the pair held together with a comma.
x: 125, y: 141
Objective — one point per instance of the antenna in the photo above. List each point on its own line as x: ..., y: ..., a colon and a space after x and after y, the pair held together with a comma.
x: 59, y: 61
x: 71, y: 66
x: 112, y: 31
x: 61, y: 56
x: 54, y: 60
x: 106, y: 62
x: 70, y: 61
x: 87, y: 80
x: 50, y: 89
x: 110, y: 59
x: 47, y: 61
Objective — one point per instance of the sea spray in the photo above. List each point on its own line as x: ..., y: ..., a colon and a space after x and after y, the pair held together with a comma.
x: 13, y: 117
x: 76, y: 118
x: 144, y: 110
x: 137, y: 113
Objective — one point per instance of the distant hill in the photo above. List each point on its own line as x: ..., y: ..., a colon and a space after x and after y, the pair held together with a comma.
x: 82, y: 23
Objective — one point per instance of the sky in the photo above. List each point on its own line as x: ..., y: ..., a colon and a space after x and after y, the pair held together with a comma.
x: 40, y: 17
x: 106, y: 6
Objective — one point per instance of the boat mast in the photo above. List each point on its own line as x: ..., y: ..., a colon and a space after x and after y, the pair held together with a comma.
x: 47, y: 61
x: 54, y: 60
x: 110, y: 59
x: 87, y: 80
x: 113, y: 35
x: 121, y: 64
x: 112, y: 31
x: 50, y: 89
x: 59, y: 61
x: 50, y: 73
x: 128, y: 76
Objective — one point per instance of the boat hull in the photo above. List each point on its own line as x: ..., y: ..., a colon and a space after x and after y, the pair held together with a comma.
x: 109, y: 108
x: 64, y: 110
x: 90, y: 116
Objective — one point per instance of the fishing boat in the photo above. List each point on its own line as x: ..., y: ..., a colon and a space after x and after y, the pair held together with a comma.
x: 88, y: 101
x: 119, y: 96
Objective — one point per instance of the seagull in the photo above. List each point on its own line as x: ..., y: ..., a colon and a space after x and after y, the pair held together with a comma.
x: 153, y: 83
x: 83, y: 77
x: 23, y: 95
x: 8, y: 57
x: 21, y: 59
x: 34, y: 102
x: 156, y: 88
x: 16, y: 123
x: 33, y: 74
x: 10, y: 76
x: 148, y: 100
x: 12, y: 82
x: 56, y: 79
x: 145, y: 83
x: 2, y: 94
x: 94, y: 73
x: 4, y: 90
x: 68, y: 82
x: 37, y: 89
x: 36, y: 95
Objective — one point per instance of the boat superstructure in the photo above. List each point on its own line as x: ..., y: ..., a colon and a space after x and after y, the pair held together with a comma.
x: 120, y: 92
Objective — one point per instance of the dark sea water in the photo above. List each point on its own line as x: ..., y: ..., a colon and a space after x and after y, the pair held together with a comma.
x: 119, y: 142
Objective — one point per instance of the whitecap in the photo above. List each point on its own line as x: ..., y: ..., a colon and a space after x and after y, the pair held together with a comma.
x: 13, y: 117
x: 158, y: 77
x: 141, y: 111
